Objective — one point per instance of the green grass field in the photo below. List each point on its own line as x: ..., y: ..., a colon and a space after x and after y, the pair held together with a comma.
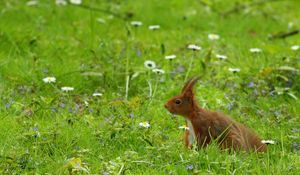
x: 93, y: 48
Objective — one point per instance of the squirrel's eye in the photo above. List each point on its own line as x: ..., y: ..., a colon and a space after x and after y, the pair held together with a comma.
x: 178, y: 101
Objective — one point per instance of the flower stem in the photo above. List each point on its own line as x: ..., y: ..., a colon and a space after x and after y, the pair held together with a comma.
x: 190, y: 67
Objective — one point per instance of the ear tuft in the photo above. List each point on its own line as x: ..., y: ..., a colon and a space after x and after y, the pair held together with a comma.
x: 188, y: 87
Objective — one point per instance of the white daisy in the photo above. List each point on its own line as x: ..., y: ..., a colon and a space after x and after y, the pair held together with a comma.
x: 295, y: 47
x: 154, y: 27
x: 136, y: 23
x: 255, y: 50
x: 76, y: 2
x: 170, y: 57
x: 97, y: 94
x: 144, y: 124
x: 272, y: 142
x: 60, y: 2
x: 221, y: 57
x: 194, y: 47
x: 158, y: 71
x: 149, y: 64
x: 213, y: 36
x: 67, y: 89
x: 183, y: 127
x: 32, y: 3
x: 234, y: 70
x: 49, y: 80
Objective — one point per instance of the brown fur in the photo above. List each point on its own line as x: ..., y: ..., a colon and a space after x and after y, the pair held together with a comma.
x: 210, y: 125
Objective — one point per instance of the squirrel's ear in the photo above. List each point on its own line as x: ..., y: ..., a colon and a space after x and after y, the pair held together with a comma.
x: 188, y: 87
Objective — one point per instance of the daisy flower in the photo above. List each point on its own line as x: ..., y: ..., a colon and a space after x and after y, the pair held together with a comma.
x: 194, y: 47
x: 60, y: 2
x: 170, y: 57
x: 272, y: 142
x: 234, y: 70
x: 144, y: 124
x: 221, y: 57
x: 213, y: 37
x: 97, y: 94
x: 136, y: 23
x: 32, y: 3
x: 158, y: 71
x: 67, y: 88
x: 49, y: 80
x: 149, y: 64
x: 255, y: 50
x: 295, y: 47
x: 76, y: 2
x: 154, y: 27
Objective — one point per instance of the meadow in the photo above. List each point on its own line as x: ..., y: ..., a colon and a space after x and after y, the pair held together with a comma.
x: 83, y: 85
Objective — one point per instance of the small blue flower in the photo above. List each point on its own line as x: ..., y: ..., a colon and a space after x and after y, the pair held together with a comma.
x: 91, y: 110
x: 251, y: 85
x: 294, y: 130
x: 230, y: 106
x: 190, y: 167
x: 7, y: 105
x: 62, y: 105
x: 35, y: 128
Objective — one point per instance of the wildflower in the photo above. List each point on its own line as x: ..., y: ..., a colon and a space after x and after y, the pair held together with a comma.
x: 295, y: 47
x: 136, y: 23
x: 76, y: 2
x: 149, y: 64
x: 272, y: 142
x: 170, y: 57
x: 96, y: 94
x: 294, y: 130
x: 221, y: 57
x: 154, y: 27
x: 183, y: 127
x: 60, y: 2
x: 194, y: 47
x: 7, y: 105
x: 76, y: 165
x: 251, y: 85
x: 255, y: 50
x: 144, y: 124
x: 213, y: 37
x: 67, y: 89
x: 190, y: 167
x: 32, y: 3
x: 158, y: 71
x: 49, y: 80
x: 234, y: 70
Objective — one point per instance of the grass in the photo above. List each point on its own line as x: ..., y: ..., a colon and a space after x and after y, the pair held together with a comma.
x: 44, y: 130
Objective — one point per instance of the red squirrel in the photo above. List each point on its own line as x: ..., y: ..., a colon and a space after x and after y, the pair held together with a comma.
x: 205, y: 126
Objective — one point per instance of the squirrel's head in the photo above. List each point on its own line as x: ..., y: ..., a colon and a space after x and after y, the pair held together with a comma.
x: 184, y: 103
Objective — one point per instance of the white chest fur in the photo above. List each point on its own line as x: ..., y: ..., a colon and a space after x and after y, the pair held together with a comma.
x: 191, y: 132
